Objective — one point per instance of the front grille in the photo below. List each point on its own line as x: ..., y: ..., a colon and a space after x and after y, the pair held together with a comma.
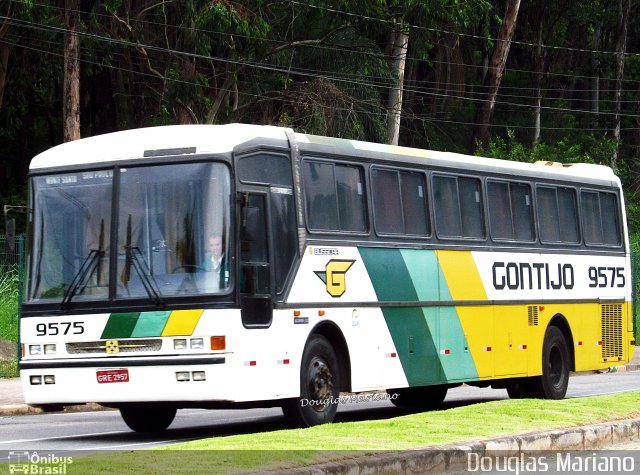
x: 611, y: 331
x: 115, y: 346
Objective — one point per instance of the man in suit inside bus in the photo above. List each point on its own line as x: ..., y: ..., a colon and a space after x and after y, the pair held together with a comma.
x: 215, y: 262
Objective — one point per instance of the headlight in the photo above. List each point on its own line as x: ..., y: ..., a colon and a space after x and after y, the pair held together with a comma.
x: 180, y: 344
x: 197, y: 343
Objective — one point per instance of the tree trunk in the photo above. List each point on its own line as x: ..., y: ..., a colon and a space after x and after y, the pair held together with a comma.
x: 624, y: 9
x: 538, y: 62
x: 4, y: 65
x: 399, y: 42
x: 71, y: 81
x: 4, y: 48
x: 492, y: 80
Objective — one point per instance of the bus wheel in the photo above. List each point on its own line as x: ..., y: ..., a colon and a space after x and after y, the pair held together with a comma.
x: 424, y: 397
x: 319, y: 386
x: 142, y: 419
x: 553, y: 382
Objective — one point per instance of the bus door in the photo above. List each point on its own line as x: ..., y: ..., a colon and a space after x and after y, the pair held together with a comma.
x: 256, y: 301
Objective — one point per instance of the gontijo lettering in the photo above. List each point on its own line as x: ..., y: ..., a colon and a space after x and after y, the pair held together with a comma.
x: 537, y: 275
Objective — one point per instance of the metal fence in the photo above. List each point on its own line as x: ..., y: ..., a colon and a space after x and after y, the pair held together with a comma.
x: 12, y: 262
x: 11, y: 255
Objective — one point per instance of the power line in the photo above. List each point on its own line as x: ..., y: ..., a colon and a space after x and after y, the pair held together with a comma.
x: 279, y: 69
x: 281, y: 43
x: 466, y: 35
x: 427, y: 118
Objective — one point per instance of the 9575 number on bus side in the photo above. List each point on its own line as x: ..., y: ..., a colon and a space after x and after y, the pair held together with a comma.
x: 59, y: 328
x: 606, y: 277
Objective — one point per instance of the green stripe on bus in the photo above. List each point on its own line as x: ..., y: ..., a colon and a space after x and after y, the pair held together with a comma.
x: 120, y: 325
x: 150, y: 324
x: 409, y: 327
x: 430, y: 284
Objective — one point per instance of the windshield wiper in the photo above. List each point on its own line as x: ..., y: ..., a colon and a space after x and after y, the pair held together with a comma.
x: 81, y: 279
x: 87, y: 268
x: 148, y: 281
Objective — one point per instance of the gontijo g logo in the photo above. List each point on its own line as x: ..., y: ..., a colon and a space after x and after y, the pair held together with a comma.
x: 334, y: 275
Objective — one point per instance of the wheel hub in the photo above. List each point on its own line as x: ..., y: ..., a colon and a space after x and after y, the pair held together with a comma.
x: 320, y: 380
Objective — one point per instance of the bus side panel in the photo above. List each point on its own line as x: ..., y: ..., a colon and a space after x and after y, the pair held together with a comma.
x: 330, y: 275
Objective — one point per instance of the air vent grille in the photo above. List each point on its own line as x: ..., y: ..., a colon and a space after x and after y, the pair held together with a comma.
x: 532, y: 313
x: 611, y: 331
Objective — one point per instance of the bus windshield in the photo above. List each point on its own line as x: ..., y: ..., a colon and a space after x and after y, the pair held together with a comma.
x: 172, y: 235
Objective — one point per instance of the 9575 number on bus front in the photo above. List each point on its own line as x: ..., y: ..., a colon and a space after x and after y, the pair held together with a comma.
x: 59, y: 328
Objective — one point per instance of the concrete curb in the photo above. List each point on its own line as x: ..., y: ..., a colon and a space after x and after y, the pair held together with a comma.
x: 454, y: 457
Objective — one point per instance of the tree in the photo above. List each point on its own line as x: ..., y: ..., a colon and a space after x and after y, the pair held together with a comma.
x: 538, y: 63
x: 398, y: 43
x: 496, y: 69
x: 71, y: 87
x: 5, y: 9
x: 624, y: 9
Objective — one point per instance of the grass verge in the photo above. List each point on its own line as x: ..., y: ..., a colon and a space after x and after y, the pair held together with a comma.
x: 9, y: 369
x: 9, y: 316
x: 288, y: 448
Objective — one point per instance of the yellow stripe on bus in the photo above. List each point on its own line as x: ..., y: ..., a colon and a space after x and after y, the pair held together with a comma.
x: 182, y: 322
x: 464, y: 283
x: 461, y: 274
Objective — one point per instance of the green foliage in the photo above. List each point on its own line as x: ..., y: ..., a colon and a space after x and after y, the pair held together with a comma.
x: 577, y: 148
x: 9, y: 369
x: 9, y: 303
x: 321, y: 68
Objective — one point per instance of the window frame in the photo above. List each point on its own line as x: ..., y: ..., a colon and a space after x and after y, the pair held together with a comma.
x: 618, y: 218
x: 533, y: 208
x: 483, y: 218
x: 426, y: 198
x: 557, y: 186
x: 365, y: 198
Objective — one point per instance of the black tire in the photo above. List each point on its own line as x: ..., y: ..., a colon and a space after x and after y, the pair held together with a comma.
x: 142, y: 419
x: 553, y: 382
x: 319, y: 386
x: 423, y: 397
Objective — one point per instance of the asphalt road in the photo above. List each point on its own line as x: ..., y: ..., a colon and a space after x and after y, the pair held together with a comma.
x: 87, y: 432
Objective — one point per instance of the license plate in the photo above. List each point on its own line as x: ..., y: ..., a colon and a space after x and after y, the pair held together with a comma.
x: 113, y: 376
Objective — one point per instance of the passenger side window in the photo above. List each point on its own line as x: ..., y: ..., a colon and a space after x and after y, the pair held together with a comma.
x: 265, y: 168
x: 557, y: 214
x: 510, y: 211
x: 458, y: 207
x: 600, y: 218
x: 334, y: 196
x: 399, y: 202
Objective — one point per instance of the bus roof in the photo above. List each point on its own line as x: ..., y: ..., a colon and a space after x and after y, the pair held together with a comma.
x: 202, y: 139
x: 133, y: 143
x: 577, y: 171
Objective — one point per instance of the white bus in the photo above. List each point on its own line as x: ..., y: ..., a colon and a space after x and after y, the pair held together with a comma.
x: 240, y: 265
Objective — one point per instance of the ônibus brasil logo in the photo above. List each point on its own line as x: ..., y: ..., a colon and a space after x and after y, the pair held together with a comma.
x: 334, y: 276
